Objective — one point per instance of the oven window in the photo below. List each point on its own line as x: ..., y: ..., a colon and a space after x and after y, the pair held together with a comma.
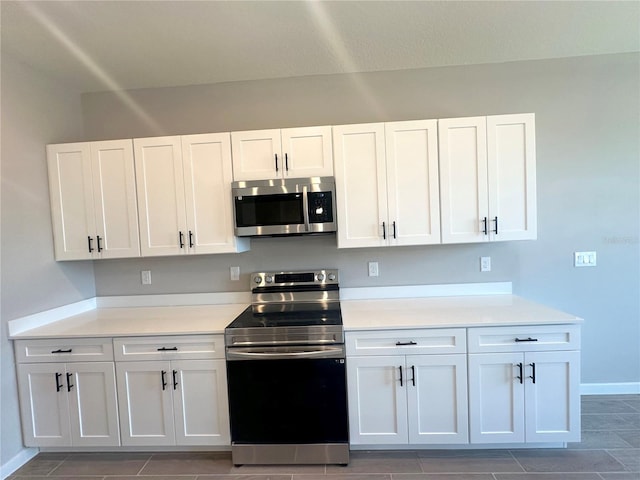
x: 288, y: 401
x: 277, y: 209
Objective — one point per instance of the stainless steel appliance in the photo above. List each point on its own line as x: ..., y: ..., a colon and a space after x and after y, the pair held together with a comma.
x: 291, y: 206
x: 286, y: 372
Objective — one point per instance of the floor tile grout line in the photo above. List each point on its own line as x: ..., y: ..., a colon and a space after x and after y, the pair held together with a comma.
x: 517, y: 461
x: 145, y: 464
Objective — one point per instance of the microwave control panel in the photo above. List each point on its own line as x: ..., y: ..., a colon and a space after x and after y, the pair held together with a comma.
x: 320, y: 207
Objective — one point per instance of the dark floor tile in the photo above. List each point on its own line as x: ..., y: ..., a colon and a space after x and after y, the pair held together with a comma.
x: 236, y: 477
x: 278, y: 470
x: 64, y: 477
x: 39, y: 465
x: 632, y: 437
x: 606, y: 406
x: 97, y: 464
x: 600, y: 439
x: 150, y: 477
x: 629, y: 457
x: 443, y: 476
x: 633, y: 402
x: 621, y: 396
x: 547, y: 476
x: 608, y: 421
x: 620, y: 476
x: 562, y: 460
x: 346, y: 476
x: 631, y: 419
x: 468, y: 461
x: 378, y: 462
x: 187, y: 464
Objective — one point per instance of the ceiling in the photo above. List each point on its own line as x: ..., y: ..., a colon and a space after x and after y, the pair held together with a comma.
x: 112, y: 45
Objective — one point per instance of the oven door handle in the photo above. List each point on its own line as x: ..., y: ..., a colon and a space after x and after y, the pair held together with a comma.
x: 257, y: 353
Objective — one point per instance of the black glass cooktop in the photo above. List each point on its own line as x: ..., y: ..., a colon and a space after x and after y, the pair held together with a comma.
x: 289, y: 315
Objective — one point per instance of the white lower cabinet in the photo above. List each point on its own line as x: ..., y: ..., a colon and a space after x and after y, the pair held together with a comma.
x: 407, y: 399
x: 67, y: 403
x: 172, y: 402
x: 529, y: 394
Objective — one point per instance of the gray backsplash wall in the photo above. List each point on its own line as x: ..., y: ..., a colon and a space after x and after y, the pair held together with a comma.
x: 587, y: 129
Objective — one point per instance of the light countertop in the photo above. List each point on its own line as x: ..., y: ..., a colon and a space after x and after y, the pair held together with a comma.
x: 376, y: 314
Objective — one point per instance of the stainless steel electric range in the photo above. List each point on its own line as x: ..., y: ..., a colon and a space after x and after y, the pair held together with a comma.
x: 286, y: 371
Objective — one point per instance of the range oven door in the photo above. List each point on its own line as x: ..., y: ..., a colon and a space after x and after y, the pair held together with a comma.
x: 288, y: 395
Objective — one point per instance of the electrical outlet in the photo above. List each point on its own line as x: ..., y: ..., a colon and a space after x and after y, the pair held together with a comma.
x: 584, y: 259
x: 373, y: 269
x: 485, y: 264
x: 234, y: 273
x: 145, y: 276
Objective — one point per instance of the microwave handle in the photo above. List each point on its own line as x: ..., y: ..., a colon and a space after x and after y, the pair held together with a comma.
x: 305, y: 206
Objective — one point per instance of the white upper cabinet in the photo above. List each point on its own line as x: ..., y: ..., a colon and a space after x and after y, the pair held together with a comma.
x: 93, y: 200
x: 387, y: 184
x: 487, y: 178
x: 286, y: 153
x: 184, y: 195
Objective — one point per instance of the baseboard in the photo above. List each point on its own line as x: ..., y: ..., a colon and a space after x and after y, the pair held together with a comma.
x: 610, y: 388
x: 17, y: 461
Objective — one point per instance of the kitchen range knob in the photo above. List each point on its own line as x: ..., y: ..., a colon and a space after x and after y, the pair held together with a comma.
x: 258, y: 280
x: 268, y: 279
x: 320, y: 277
x: 332, y: 277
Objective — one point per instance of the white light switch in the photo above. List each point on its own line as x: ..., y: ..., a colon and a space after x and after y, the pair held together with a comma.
x: 145, y: 275
x: 234, y: 273
x: 584, y: 259
x: 373, y: 269
x: 485, y: 264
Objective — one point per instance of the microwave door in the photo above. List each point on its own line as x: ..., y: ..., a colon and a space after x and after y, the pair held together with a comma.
x: 270, y: 214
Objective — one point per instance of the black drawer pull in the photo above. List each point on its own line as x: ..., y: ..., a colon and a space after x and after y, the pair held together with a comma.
x: 520, y: 377
x: 163, y: 379
x: 62, y: 351
x: 69, y: 384
x: 169, y: 349
x: 175, y: 380
x: 526, y: 339
x: 401, y: 379
x: 413, y: 375
x: 58, y: 384
x: 533, y: 372
x: 403, y: 344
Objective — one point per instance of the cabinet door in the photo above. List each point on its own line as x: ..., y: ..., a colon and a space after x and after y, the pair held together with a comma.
x: 200, y: 402
x: 145, y: 401
x: 93, y: 406
x: 361, y: 185
x: 71, y: 196
x: 257, y: 155
x: 161, y: 204
x: 114, y: 184
x: 511, y: 154
x: 437, y: 399
x: 412, y: 182
x: 496, y: 398
x: 552, y: 399
x: 208, y: 177
x: 307, y: 152
x: 463, y: 179
x: 44, y: 405
x: 377, y: 401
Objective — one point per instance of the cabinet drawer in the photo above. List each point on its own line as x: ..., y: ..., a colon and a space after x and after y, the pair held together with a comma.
x: 524, y: 339
x: 191, y: 347
x: 64, y: 350
x: 394, y: 342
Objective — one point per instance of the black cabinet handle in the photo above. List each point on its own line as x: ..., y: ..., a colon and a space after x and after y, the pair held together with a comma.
x: 496, y: 222
x: 401, y: 384
x: 526, y: 339
x: 485, y: 227
x: 69, y: 384
x: 58, y: 384
x: 175, y: 381
x: 62, y: 351
x: 286, y: 162
x: 163, y: 374
x: 402, y: 344
x: 533, y: 372
x: 181, y: 238
x: 276, y: 155
x: 413, y: 375
x: 384, y: 231
x: 169, y: 349
x: 394, y: 230
x: 90, y: 247
x: 519, y: 377
x: 98, y: 242
x: 190, y: 239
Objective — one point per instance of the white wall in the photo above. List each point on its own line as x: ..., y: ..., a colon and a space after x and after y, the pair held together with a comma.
x: 35, y: 111
x: 587, y: 119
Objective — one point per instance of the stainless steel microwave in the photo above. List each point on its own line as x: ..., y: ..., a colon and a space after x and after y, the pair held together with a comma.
x: 291, y: 206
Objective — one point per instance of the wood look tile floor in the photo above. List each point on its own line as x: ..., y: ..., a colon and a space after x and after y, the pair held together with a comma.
x: 610, y: 450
